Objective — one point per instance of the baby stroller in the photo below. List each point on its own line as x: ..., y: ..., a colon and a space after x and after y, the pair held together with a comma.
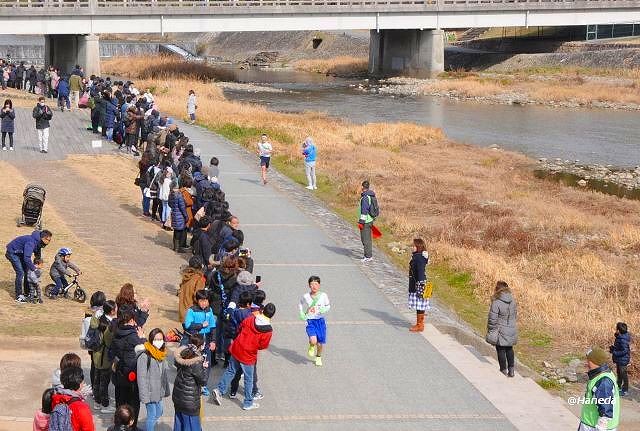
x: 33, y: 201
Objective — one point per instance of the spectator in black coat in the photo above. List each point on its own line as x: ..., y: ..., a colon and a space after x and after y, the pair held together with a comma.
x: 190, y: 378
x: 127, y: 341
x: 621, y: 356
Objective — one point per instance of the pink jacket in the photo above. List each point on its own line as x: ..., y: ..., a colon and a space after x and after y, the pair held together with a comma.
x: 41, y: 421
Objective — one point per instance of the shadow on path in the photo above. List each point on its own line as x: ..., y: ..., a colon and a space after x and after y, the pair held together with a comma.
x: 387, y: 318
x: 288, y: 354
x: 342, y: 251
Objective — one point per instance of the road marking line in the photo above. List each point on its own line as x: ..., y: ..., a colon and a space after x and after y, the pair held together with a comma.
x: 323, y: 265
x: 275, y: 225
x: 351, y: 417
x: 254, y: 195
x: 332, y: 322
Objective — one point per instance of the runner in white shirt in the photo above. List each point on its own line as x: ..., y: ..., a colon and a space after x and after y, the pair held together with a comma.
x: 264, y: 151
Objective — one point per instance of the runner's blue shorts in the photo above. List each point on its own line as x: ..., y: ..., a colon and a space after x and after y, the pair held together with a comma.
x: 317, y: 328
x: 264, y: 161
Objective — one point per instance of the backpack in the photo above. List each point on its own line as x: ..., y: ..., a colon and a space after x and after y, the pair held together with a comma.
x: 93, y: 339
x: 60, y: 417
x: 374, y: 208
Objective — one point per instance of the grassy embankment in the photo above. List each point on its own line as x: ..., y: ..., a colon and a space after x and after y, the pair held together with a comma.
x: 570, y: 255
x: 544, y: 85
x: 340, y: 66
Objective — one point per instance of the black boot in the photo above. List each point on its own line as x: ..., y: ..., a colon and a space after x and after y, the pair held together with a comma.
x: 511, y: 372
x: 505, y: 372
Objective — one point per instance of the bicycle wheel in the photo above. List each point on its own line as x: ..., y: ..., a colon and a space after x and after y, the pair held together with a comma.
x: 79, y: 295
x: 48, y: 289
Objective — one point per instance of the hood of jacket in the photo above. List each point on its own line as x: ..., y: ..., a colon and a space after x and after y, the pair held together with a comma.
x: 189, y: 273
x: 259, y: 326
x: 186, y: 362
x: 626, y: 337
x: 197, y: 176
x: 125, y: 331
x: 503, y: 295
x: 41, y: 421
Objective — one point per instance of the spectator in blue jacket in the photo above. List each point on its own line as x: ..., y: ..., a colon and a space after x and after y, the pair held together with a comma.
x: 20, y: 252
x: 179, y: 218
x: 111, y: 114
x: 200, y: 319
x: 309, y: 153
x: 63, y: 94
x: 621, y: 356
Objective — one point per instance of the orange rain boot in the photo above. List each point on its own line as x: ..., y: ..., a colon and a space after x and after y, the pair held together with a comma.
x: 419, y: 326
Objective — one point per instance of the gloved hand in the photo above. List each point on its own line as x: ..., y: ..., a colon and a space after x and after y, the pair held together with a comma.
x: 602, y: 424
x: 360, y: 226
x: 303, y: 316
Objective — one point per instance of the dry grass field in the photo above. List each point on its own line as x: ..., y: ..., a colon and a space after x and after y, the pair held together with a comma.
x: 559, y: 87
x: 58, y: 318
x: 570, y: 255
x: 340, y: 66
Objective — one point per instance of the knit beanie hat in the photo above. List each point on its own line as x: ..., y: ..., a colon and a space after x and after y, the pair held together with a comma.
x: 245, y: 278
x: 597, y: 356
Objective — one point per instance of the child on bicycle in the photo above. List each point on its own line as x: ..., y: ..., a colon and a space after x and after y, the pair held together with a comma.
x: 60, y: 269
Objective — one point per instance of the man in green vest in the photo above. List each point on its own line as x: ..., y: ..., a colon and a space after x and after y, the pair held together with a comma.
x: 601, y: 404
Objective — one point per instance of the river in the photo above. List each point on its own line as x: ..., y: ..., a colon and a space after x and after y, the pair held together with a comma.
x: 588, y: 135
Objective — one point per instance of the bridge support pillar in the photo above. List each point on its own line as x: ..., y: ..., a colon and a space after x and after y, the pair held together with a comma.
x: 418, y: 53
x: 67, y: 50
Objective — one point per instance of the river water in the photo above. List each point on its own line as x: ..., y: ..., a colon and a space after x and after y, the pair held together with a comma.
x: 589, y: 135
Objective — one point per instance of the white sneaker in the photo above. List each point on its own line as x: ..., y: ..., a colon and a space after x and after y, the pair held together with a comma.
x: 309, y: 187
x: 366, y: 259
x: 5, y: 149
x: 253, y: 406
x: 315, y: 187
x: 107, y: 410
x: 10, y: 148
x: 216, y: 396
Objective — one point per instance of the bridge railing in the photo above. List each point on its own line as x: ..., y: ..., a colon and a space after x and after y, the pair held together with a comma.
x: 156, y: 7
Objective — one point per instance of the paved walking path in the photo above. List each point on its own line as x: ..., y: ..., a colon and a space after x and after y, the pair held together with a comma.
x: 376, y: 375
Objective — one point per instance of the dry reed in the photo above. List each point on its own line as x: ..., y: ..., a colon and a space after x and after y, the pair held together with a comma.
x: 341, y: 66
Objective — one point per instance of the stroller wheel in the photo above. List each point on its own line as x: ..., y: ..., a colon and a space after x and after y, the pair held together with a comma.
x: 79, y: 295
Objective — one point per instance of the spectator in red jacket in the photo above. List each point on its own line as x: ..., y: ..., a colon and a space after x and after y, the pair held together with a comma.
x: 254, y: 334
x: 72, y: 379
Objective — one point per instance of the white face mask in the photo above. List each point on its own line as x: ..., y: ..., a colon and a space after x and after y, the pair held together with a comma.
x: 158, y: 344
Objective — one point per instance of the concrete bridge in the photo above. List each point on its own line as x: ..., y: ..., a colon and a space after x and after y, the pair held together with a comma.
x: 406, y: 35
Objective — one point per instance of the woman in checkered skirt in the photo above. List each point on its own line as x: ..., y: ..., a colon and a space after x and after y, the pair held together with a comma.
x: 417, y: 282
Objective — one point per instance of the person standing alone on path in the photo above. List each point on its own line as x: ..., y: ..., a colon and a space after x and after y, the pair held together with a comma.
x: 264, y: 151
x: 192, y: 105
x: 313, y: 306
x: 368, y: 213
x: 418, y: 282
x: 621, y: 355
x: 42, y: 114
x: 8, y: 116
x: 309, y: 153
x: 502, y: 331
x: 601, y: 408
x: 19, y: 252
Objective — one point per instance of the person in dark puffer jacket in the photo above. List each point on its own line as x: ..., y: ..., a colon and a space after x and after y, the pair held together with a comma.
x: 190, y: 378
x: 127, y: 343
x: 179, y: 219
x: 621, y: 356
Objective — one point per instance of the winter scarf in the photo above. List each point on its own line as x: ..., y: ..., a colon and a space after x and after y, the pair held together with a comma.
x: 157, y: 354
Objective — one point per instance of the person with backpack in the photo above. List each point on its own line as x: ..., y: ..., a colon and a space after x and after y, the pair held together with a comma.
x: 99, y: 339
x: 153, y: 377
x: 95, y: 310
x: 368, y: 212
x: 128, y: 336
x: 69, y: 409
x: 41, y: 418
x: 254, y: 335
